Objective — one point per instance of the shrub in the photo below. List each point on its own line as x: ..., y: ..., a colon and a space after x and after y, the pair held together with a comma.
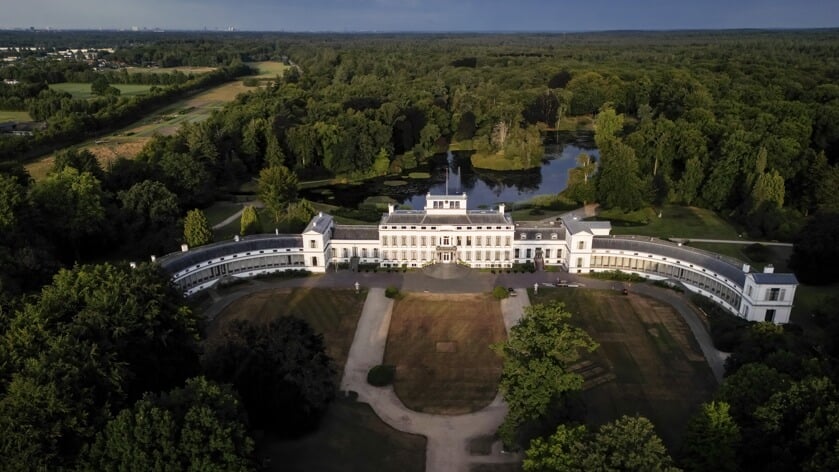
x: 500, y: 293
x: 381, y: 375
x: 618, y: 275
x: 758, y: 252
x: 727, y: 330
x: 391, y: 292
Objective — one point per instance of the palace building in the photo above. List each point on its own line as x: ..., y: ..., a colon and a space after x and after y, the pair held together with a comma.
x: 446, y: 232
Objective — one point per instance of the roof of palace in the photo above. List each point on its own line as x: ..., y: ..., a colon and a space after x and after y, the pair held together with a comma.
x: 356, y: 232
x: 774, y: 279
x: 725, y: 266
x: 420, y: 217
x: 178, y: 261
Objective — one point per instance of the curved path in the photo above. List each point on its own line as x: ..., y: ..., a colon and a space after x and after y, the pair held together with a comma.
x: 448, y: 436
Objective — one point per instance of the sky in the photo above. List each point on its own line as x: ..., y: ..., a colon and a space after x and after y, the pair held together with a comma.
x: 419, y: 15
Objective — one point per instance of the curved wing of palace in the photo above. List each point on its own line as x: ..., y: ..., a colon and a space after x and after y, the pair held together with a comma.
x: 446, y: 232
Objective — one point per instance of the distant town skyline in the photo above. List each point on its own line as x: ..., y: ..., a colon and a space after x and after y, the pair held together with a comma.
x: 418, y: 15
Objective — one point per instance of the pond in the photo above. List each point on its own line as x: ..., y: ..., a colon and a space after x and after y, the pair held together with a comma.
x: 485, y: 188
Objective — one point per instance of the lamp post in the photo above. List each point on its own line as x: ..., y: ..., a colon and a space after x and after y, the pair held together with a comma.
x: 535, y: 288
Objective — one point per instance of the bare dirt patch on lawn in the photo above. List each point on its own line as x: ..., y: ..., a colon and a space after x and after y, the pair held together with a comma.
x: 440, y: 345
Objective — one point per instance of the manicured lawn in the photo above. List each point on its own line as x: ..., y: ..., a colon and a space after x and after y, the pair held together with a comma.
x: 7, y: 115
x: 168, y: 70
x: 440, y: 347
x: 350, y: 438
x: 675, y: 222
x: 82, y: 90
x: 648, y: 362
x: 332, y: 313
x: 219, y: 211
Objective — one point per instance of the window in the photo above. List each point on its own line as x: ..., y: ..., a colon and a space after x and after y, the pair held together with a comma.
x: 459, y: 241
x: 579, y: 262
x: 364, y: 252
x: 772, y: 294
x: 516, y: 254
x: 393, y: 240
x: 547, y: 253
x: 553, y: 236
x: 506, y: 255
x: 538, y: 235
x: 384, y: 240
x: 770, y: 316
x: 375, y: 253
x: 581, y: 245
x: 523, y: 236
x: 314, y: 262
x: 478, y: 240
x: 527, y: 253
x: 498, y: 240
x: 468, y: 240
x: 749, y: 290
x: 413, y: 240
x: 404, y: 240
x: 423, y: 241
x: 313, y: 244
x: 334, y: 253
x: 508, y: 241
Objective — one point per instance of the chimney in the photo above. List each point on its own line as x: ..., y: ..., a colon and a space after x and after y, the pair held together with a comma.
x: 236, y: 238
x: 390, y: 208
x: 277, y: 231
x: 769, y: 269
x: 320, y: 214
x: 153, y: 258
x: 184, y: 248
x: 501, y: 208
x: 746, y: 268
x: 133, y: 265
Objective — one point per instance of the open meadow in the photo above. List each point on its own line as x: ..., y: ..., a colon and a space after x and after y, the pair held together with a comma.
x: 440, y: 345
x: 648, y: 362
x: 128, y: 142
x: 8, y: 115
x: 268, y: 69
x: 82, y: 89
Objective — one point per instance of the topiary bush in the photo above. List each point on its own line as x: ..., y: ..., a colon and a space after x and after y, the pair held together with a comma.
x: 500, y: 293
x: 381, y: 375
x: 391, y: 292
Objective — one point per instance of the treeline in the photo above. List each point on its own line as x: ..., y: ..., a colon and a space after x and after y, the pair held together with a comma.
x: 70, y: 120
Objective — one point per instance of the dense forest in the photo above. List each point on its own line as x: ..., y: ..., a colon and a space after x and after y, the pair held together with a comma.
x: 745, y: 123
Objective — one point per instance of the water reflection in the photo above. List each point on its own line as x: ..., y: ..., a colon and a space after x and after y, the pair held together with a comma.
x: 485, y: 188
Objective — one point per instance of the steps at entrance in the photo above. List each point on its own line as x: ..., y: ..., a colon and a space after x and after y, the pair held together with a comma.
x: 446, y: 271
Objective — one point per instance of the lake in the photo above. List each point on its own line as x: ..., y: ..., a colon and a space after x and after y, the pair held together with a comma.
x: 485, y: 188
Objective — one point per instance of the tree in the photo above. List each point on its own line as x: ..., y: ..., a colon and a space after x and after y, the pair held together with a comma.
x: 277, y: 188
x: 626, y: 444
x: 285, y: 378
x: 249, y: 223
x: 691, y: 179
x: 197, y: 231
x: 769, y: 187
x: 580, y: 184
x: 99, y: 85
x: 150, y: 217
x: 711, y: 440
x: 618, y: 182
x: 815, y: 252
x: 536, y: 359
x: 71, y: 205
x: 200, y: 427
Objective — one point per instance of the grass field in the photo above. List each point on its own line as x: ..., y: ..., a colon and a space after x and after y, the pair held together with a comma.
x: 677, y: 222
x: 168, y: 70
x: 778, y: 255
x: 440, y: 347
x: 128, y: 141
x: 648, y: 362
x: 82, y: 90
x: 14, y: 116
x: 350, y: 438
x: 332, y: 313
x: 268, y: 69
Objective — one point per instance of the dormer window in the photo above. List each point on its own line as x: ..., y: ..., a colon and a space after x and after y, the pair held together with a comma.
x: 538, y: 235
x: 523, y: 236
x: 553, y: 236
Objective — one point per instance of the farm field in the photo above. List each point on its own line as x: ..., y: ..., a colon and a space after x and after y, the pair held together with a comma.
x: 648, y: 362
x: 8, y: 115
x: 82, y: 90
x: 440, y: 347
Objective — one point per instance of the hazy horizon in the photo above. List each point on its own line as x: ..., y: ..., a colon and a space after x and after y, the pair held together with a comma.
x: 423, y: 16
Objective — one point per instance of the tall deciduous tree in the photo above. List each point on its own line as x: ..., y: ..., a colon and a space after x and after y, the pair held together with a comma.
x: 249, y: 223
x: 200, y: 427
x: 277, y: 189
x: 150, y: 217
x: 536, y: 359
x: 618, y: 182
x: 197, y: 231
x: 285, y: 378
x: 711, y: 440
x: 628, y: 443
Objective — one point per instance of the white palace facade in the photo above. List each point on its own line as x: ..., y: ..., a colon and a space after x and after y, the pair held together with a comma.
x: 446, y: 232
